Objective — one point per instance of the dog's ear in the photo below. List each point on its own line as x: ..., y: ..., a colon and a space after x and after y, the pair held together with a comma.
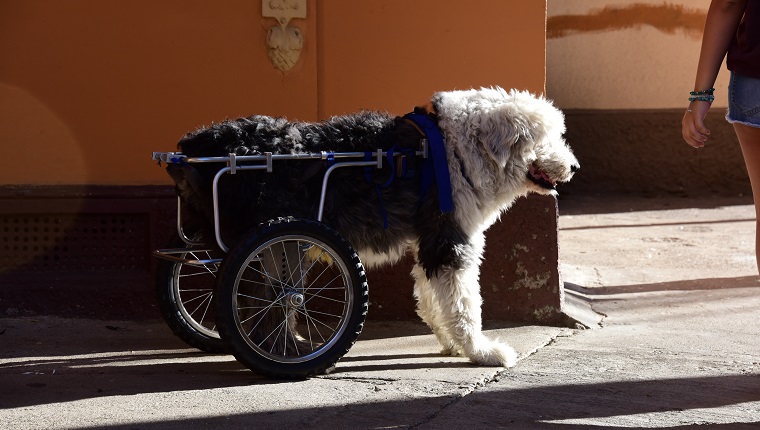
x: 498, y: 132
x: 505, y: 129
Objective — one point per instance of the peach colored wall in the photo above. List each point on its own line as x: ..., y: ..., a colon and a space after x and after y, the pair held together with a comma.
x: 89, y: 88
x: 625, y: 54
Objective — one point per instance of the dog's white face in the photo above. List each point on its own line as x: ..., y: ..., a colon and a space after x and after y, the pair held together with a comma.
x: 554, y: 163
x: 521, y: 133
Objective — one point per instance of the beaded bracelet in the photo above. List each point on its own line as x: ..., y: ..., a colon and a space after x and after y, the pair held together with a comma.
x: 708, y: 98
x: 708, y: 92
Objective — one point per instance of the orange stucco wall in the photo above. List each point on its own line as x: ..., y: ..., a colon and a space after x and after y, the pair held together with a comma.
x: 89, y: 88
x: 393, y: 55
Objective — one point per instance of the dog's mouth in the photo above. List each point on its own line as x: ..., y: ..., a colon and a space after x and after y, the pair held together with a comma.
x: 540, y: 178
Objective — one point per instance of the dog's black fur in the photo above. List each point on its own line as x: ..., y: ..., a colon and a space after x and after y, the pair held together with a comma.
x: 354, y: 205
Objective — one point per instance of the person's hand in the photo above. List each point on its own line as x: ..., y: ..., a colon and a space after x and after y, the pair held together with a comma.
x: 693, y: 124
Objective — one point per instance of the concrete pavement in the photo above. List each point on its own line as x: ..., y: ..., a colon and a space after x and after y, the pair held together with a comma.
x: 677, y: 288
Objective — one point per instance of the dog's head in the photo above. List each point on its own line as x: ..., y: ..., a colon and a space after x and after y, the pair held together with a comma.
x: 520, y: 133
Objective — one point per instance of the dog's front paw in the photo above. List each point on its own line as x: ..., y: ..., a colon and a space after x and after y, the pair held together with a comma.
x: 452, y: 350
x: 494, y: 354
x: 448, y: 346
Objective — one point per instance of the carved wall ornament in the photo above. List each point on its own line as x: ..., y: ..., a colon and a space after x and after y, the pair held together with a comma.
x: 284, y: 42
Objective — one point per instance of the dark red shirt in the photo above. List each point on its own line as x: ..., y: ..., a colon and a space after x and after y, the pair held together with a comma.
x: 744, y: 52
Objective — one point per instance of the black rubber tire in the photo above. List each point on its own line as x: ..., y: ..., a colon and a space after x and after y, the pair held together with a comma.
x: 190, y: 317
x: 308, y: 316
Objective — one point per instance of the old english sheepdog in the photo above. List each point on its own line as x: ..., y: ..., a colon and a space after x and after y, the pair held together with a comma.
x: 499, y: 145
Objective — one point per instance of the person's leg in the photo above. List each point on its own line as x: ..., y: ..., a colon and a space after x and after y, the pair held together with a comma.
x: 749, y: 139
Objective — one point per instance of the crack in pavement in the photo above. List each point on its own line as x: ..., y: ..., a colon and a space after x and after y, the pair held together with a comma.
x: 494, y: 378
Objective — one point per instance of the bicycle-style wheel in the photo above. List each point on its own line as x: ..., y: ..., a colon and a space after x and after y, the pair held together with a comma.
x: 185, y: 296
x: 291, y: 298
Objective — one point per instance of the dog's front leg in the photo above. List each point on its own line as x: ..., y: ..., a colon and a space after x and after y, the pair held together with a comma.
x: 427, y: 309
x: 457, y: 296
x: 450, y: 260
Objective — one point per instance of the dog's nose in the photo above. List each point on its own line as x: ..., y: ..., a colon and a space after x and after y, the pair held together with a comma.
x: 575, y: 167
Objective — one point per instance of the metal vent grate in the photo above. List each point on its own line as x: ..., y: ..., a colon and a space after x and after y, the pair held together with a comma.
x: 67, y: 243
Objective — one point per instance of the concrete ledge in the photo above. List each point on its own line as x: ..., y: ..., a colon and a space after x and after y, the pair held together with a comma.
x: 519, y: 276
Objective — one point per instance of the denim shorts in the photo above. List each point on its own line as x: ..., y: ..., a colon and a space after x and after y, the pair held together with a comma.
x: 744, y: 100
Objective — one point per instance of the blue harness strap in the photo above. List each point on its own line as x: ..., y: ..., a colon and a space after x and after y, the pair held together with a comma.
x: 390, y: 157
x: 436, y: 167
x: 182, y: 161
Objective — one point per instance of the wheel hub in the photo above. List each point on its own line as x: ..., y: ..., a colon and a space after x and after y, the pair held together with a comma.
x: 295, y: 299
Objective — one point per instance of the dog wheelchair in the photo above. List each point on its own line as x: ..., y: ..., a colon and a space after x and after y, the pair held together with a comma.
x: 289, y: 299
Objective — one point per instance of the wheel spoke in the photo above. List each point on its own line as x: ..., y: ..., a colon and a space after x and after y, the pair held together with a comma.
x: 321, y: 289
x: 264, y: 274
x: 278, y: 329
x: 315, y: 261
x: 267, y: 275
x: 263, y: 310
x: 205, y: 266
x: 200, y: 273
x: 317, y: 295
x: 196, y: 290
x: 289, y: 330
x: 205, y: 299
x: 312, y: 311
x: 313, y: 321
x: 289, y: 269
